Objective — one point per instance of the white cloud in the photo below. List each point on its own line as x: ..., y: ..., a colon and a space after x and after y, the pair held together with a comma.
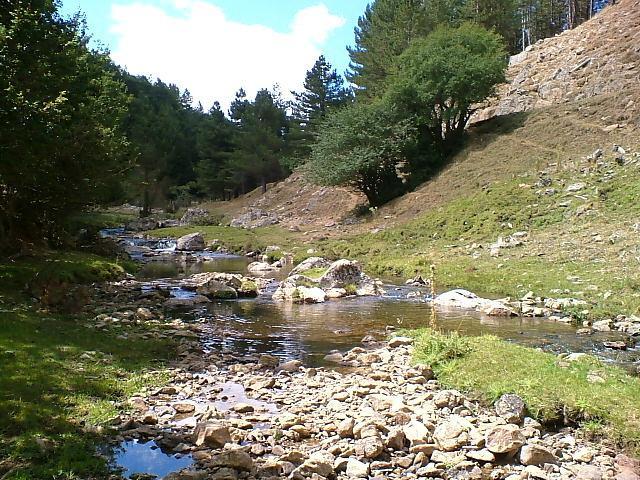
x: 200, y: 49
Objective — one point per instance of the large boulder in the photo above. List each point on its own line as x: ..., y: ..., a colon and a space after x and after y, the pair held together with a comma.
x: 309, y: 264
x: 466, y: 300
x: 192, y: 242
x: 342, y: 273
x: 219, y: 285
x: 214, y: 435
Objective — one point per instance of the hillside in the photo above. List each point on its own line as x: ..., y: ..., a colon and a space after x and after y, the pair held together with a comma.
x: 599, y: 57
x: 566, y: 173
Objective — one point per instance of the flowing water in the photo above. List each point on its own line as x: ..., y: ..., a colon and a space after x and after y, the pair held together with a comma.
x: 309, y: 332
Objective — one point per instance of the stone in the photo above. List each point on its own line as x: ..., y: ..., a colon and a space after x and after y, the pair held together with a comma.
x: 587, y: 472
x: 357, y: 469
x: 191, y: 242
x: 150, y: 418
x: 182, y: 408
x: 532, y: 454
x: 416, y: 432
x: 214, y: 435
x: 447, y: 398
x: 260, y: 267
x: 452, y: 434
x: 342, y: 273
x: 320, y: 463
x: 144, y: 314
x: 395, y: 438
x: 504, y: 439
x: 214, y: 289
x: 511, y: 407
x: 576, y: 187
x: 400, y: 341
x: 290, y: 366
x: 243, y: 408
x: 236, y: 458
x: 584, y: 454
x: 345, y: 428
x: 483, y: 455
x: 369, y: 447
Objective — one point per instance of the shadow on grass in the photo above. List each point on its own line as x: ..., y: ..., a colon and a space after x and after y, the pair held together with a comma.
x: 56, y: 374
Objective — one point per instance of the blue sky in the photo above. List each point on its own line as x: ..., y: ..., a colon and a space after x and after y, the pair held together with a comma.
x: 213, y: 47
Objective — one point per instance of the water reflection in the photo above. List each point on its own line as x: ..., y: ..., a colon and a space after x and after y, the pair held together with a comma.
x: 135, y: 458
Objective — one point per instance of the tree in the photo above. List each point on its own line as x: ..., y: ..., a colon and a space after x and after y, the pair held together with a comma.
x: 61, y: 145
x: 363, y: 145
x: 384, y: 31
x: 215, y: 145
x: 260, y: 140
x: 324, y: 90
x: 441, y: 77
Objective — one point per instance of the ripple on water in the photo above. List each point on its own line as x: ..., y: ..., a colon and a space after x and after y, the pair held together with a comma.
x: 136, y: 457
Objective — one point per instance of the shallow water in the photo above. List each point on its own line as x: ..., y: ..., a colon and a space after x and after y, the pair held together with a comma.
x: 309, y: 332
x: 134, y: 457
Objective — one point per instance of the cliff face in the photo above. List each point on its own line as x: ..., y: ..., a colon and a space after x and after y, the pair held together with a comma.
x: 600, y: 56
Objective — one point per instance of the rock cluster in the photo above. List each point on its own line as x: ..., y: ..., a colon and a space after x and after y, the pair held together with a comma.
x: 255, y: 218
x: 385, y: 418
x: 316, y: 280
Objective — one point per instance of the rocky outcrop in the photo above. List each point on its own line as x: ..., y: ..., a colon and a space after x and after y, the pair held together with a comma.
x: 194, y: 216
x: 215, y: 285
x: 466, y: 300
x: 255, y: 218
x: 141, y: 224
x: 193, y: 242
x: 598, y: 57
x: 315, y: 280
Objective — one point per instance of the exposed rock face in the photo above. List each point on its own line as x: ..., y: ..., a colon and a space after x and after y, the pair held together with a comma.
x: 341, y: 278
x: 255, y: 218
x: 194, y: 216
x: 192, y: 242
x: 595, y: 58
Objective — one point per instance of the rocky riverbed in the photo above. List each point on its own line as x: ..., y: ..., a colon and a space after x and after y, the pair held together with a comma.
x: 377, y: 416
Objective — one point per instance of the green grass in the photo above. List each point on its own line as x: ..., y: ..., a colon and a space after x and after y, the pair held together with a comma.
x: 56, y: 374
x: 235, y: 239
x: 25, y: 274
x: 489, y: 367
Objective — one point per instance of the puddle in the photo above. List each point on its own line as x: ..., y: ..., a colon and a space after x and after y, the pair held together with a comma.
x: 233, y: 393
x: 135, y: 457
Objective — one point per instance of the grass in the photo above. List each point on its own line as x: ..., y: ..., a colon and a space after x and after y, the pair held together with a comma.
x: 235, y: 239
x: 554, y: 394
x: 57, y: 374
x: 314, y: 273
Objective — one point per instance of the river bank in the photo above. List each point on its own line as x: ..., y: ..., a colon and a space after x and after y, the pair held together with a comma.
x: 219, y: 347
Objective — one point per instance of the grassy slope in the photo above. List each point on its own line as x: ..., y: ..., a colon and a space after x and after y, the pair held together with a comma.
x: 56, y: 373
x: 553, y: 393
x: 489, y: 191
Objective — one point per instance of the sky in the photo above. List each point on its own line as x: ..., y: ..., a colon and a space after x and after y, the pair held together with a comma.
x: 214, y: 47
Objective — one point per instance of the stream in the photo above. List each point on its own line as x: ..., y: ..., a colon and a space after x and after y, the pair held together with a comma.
x: 308, y: 332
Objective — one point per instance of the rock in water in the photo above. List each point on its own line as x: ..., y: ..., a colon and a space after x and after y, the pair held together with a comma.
x: 217, y: 290
x: 212, y: 434
x: 342, y: 273
x: 511, y: 408
x: 191, y: 242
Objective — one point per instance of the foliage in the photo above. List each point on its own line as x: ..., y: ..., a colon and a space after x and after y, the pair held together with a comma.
x: 324, y: 91
x: 363, y: 146
x: 442, y: 76
x: 553, y: 393
x: 61, y: 143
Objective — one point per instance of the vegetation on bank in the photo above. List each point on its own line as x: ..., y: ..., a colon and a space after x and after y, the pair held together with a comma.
x: 59, y: 377
x: 603, y: 400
